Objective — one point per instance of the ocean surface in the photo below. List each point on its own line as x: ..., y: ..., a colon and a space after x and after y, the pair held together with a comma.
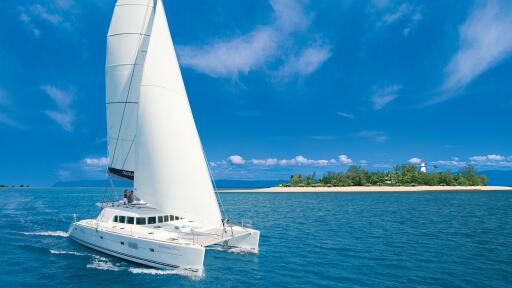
x: 453, y: 239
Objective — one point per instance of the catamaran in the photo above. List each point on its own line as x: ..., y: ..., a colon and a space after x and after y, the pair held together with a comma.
x: 153, y: 141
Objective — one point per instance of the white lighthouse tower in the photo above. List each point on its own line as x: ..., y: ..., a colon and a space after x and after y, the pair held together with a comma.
x: 423, y: 167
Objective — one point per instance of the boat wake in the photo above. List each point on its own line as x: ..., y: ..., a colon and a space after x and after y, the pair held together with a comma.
x: 234, y: 250
x: 102, y: 263
x: 47, y: 233
x: 68, y: 252
x: 181, y: 272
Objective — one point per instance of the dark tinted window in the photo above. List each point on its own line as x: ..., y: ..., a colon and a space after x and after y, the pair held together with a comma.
x: 171, y: 217
x: 115, y: 218
x: 176, y: 218
x: 166, y: 218
x: 141, y: 220
x: 151, y: 220
x: 122, y: 219
x: 160, y: 219
x: 130, y: 220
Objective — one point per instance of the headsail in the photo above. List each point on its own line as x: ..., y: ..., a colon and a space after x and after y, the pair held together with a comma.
x: 171, y: 171
x: 127, y: 42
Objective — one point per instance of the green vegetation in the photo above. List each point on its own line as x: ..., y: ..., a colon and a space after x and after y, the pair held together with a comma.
x: 13, y: 186
x: 403, y: 175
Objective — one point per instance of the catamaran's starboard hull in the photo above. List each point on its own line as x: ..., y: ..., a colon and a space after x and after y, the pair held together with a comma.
x: 156, y: 254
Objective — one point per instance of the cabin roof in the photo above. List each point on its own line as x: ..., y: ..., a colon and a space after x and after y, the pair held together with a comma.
x: 135, y: 210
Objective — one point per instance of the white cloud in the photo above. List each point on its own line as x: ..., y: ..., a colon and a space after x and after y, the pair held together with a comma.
x: 57, y: 13
x: 363, y: 162
x: 236, y: 160
x: 96, y: 162
x: 345, y: 160
x: 264, y: 162
x: 490, y: 160
x: 414, y: 160
x: 402, y: 11
x: 449, y: 163
x: 4, y: 117
x: 376, y: 136
x: 295, y: 161
x: 384, y: 96
x: 494, y: 157
x: 232, y: 57
x: 478, y: 158
x: 406, y: 13
x: 64, y: 174
x: 4, y: 101
x: 490, y: 157
x: 7, y: 120
x: 309, y: 60
x: 346, y: 115
x: 259, y: 47
x: 301, y: 160
x: 484, y: 40
x: 65, y: 116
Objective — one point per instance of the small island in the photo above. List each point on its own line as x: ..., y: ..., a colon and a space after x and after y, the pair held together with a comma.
x: 404, y: 178
x: 403, y: 175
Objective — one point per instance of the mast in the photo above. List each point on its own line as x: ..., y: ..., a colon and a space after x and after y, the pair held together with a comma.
x: 127, y: 42
x: 171, y: 172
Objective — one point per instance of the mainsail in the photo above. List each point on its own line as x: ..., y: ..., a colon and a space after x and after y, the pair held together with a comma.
x: 127, y: 42
x: 171, y: 172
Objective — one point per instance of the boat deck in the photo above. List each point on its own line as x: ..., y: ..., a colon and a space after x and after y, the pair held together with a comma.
x: 173, y: 233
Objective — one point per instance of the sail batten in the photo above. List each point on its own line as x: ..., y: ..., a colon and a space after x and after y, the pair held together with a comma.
x: 171, y: 173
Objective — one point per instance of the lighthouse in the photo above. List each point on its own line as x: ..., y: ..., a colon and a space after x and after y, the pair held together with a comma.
x: 423, y: 167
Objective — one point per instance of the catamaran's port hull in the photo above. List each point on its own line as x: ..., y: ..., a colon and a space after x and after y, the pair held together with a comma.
x: 158, y: 254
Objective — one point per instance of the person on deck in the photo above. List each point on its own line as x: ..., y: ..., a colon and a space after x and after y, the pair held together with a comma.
x: 125, y: 198
x: 130, y: 197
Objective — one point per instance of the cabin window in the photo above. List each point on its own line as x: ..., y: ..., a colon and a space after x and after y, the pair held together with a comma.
x: 171, y: 217
x: 176, y: 218
x: 151, y: 220
x: 122, y: 219
x: 160, y: 219
x: 116, y: 218
x: 141, y: 220
x: 166, y: 218
x: 130, y: 220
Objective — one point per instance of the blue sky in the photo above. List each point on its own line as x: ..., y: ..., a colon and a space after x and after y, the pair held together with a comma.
x: 276, y: 87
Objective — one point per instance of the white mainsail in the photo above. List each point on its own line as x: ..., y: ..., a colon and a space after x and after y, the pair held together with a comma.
x: 171, y: 172
x: 127, y: 42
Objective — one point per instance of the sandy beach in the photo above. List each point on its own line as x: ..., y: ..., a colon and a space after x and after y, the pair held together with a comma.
x: 370, y: 189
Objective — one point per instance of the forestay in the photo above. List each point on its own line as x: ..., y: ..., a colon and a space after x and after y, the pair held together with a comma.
x: 171, y: 171
x: 127, y: 42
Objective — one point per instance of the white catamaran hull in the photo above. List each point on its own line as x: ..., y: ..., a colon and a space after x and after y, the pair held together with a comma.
x: 153, y: 140
x: 158, y: 254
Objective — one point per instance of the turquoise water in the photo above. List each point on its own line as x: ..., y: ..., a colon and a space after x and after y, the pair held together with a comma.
x: 455, y: 239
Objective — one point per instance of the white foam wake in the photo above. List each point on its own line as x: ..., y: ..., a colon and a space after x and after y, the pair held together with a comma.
x: 235, y: 250
x: 181, y: 272
x: 68, y: 252
x: 102, y: 263
x: 48, y: 233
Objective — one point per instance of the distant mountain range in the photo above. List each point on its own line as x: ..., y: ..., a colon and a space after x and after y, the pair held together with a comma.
x: 219, y: 183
